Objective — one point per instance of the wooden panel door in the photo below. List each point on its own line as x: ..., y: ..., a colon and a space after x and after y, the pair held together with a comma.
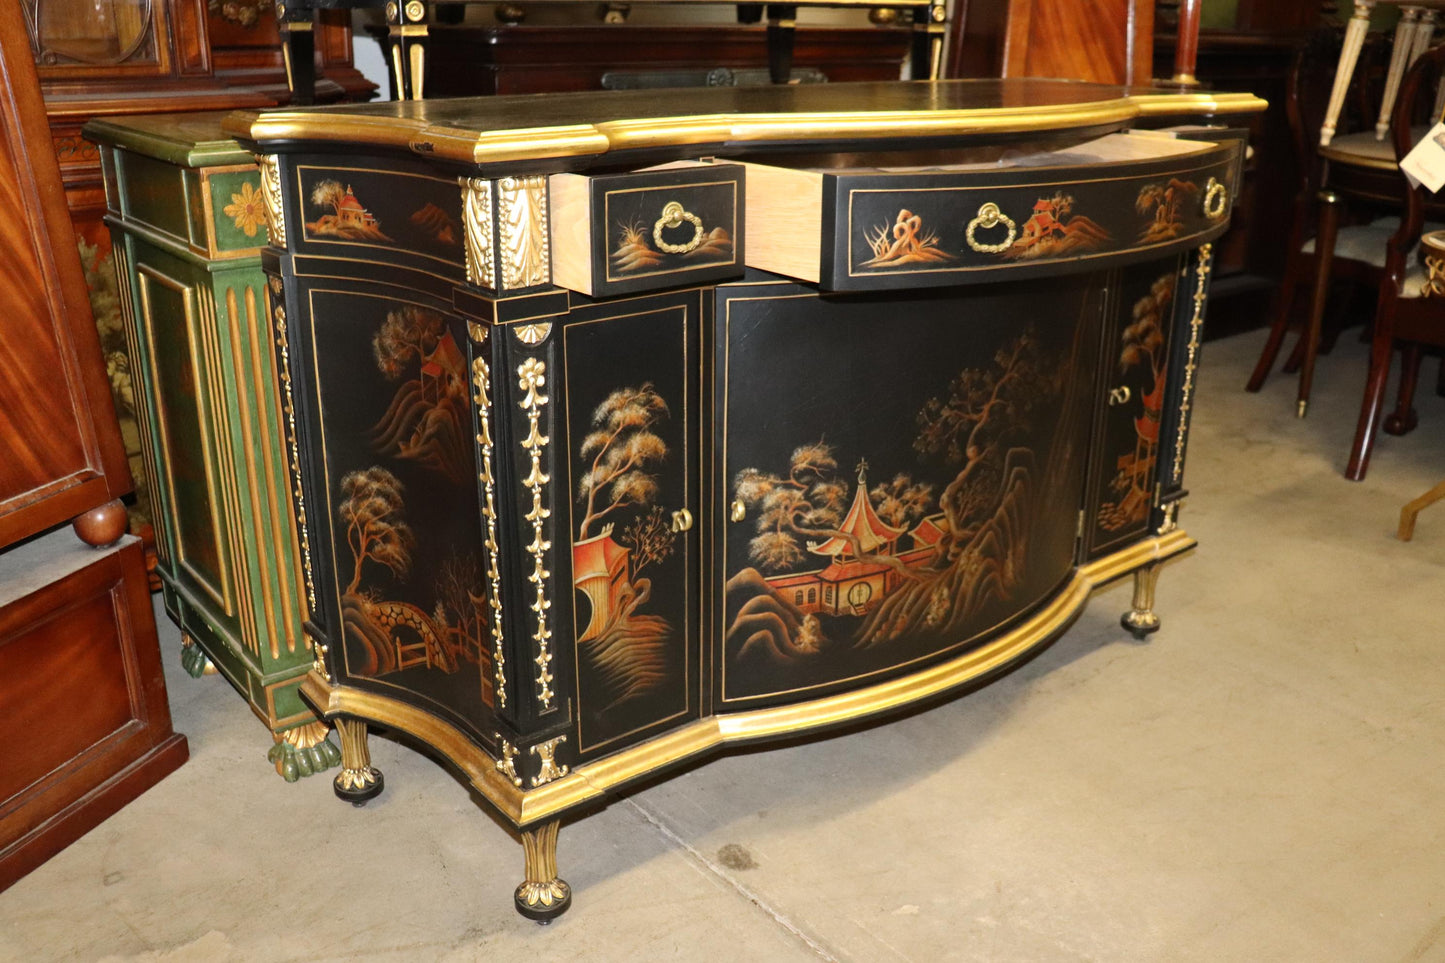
x: 883, y: 505
x: 53, y: 389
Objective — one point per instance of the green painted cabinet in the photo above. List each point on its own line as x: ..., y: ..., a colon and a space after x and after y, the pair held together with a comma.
x: 187, y: 220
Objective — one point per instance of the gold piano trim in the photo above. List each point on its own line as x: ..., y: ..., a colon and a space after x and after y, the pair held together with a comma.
x: 588, y: 782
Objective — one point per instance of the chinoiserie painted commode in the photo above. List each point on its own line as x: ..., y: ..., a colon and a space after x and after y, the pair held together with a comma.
x: 187, y: 225
x: 626, y: 427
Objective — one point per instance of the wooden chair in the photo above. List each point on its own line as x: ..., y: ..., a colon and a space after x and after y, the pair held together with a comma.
x: 1403, y: 312
x: 1354, y: 252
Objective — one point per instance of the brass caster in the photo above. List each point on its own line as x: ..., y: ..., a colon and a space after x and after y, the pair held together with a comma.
x: 1301, y: 409
x: 1140, y: 624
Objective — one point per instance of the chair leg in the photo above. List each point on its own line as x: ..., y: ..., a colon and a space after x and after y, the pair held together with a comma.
x: 1440, y: 379
x: 1324, y: 256
x: 1404, y: 419
x: 1295, y: 262
x: 1412, y: 509
x: 1382, y: 348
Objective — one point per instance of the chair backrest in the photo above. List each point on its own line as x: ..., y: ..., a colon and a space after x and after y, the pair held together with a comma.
x: 1415, y: 106
x: 1307, y: 93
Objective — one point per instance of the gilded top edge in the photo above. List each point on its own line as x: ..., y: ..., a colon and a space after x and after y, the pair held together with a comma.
x: 582, y: 140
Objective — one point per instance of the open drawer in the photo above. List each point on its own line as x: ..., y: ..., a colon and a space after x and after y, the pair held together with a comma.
x: 1124, y: 197
x: 647, y: 230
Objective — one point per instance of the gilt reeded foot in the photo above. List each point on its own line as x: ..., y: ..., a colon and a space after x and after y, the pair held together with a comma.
x: 543, y: 895
x: 1140, y: 620
x: 357, y: 781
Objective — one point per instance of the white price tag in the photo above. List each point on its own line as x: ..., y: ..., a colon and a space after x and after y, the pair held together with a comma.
x: 1425, y: 164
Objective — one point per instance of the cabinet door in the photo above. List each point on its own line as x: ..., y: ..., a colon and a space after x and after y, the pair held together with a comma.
x: 380, y: 382
x: 897, y: 476
x: 1122, y: 486
x: 630, y: 395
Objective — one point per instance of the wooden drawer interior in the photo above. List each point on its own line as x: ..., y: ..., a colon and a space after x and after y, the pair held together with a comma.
x: 646, y: 230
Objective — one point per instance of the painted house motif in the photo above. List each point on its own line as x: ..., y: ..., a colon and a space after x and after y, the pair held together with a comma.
x: 854, y: 585
x: 599, y: 571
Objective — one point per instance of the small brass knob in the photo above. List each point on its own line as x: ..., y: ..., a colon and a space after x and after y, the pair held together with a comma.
x: 738, y: 511
x: 681, y: 520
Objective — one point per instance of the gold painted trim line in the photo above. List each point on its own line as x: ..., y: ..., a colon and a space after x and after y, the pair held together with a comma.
x: 595, y: 779
x: 581, y: 140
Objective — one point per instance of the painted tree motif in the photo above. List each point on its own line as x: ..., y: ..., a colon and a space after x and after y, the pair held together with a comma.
x: 1163, y: 202
x: 1143, y: 347
x: 622, y: 447
x: 902, y: 502
x: 371, y: 508
x: 625, y: 648
x: 428, y: 418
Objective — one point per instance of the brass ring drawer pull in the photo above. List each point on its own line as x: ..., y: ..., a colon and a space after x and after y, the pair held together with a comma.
x: 673, y: 214
x: 1119, y: 396
x: 1216, y: 199
x: 681, y: 520
x: 990, y: 216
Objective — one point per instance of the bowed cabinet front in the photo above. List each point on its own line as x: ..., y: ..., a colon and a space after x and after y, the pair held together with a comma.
x: 571, y: 540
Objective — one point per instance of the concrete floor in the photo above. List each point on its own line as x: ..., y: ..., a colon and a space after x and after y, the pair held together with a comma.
x: 1259, y: 781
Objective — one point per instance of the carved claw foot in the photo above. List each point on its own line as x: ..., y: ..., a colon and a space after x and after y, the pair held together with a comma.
x: 358, y: 781
x: 1140, y: 620
x: 194, y: 659
x: 543, y: 895
x: 304, y: 751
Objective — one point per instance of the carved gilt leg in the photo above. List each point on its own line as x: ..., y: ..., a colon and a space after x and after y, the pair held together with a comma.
x: 194, y: 659
x: 1141, y: 620
x: 358, y: 781
x: 543, y: 895
x: 304, y: 751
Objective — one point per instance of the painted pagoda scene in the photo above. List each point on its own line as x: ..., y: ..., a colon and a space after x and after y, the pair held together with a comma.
x: 838, y: 563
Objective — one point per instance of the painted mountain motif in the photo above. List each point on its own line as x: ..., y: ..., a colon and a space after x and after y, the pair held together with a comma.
x: 1053, y: 230
x: 346, y: 218
x: 1162, y: 204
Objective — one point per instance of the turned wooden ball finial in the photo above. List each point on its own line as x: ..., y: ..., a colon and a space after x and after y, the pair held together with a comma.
x: 102, y: 526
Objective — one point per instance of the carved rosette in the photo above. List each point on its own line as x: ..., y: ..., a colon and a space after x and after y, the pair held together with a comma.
x: 531, y: 378
x: 481, y: 379
x: 477, y: 214
x: 522, y: 227
x: 1191, y: 362
x: 270, y: 167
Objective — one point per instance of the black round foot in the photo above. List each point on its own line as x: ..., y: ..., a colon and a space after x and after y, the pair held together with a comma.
x: 543, y: 902
x: 1140, y: 624
x: 348, y: 790
x: 1395, y: 425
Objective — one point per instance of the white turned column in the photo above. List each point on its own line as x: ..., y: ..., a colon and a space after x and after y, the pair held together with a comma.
x: 1349, y: 56
x: 1402, y: 54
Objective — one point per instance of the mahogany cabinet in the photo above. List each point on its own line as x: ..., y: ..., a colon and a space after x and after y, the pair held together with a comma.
x: 83, y: 706
x: 127, y: 57
x: 876, y: 384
